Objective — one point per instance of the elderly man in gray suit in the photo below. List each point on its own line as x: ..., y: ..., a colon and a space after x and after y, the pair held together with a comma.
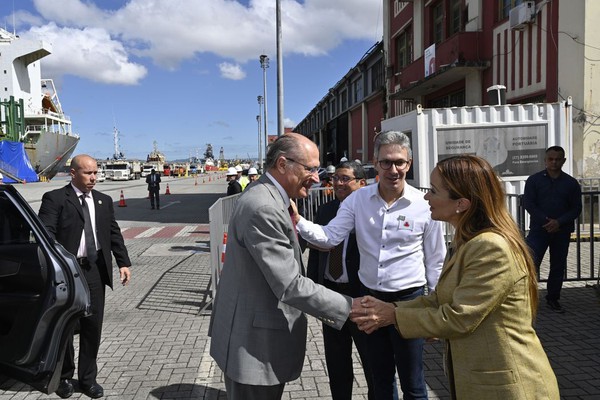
x: 258, y: 327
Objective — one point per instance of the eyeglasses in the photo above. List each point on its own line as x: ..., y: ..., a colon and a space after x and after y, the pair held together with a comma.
x: 310, y: 170
x: 400, y: 164
x: 343, y: 179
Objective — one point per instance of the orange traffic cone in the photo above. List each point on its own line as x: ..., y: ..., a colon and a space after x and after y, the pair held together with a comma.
x: 224, y: 248
x: 209, y: 178
x: 122, y: 200
x: 168, y: 191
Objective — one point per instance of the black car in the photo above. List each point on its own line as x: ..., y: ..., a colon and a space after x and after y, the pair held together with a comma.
x: 42, y: 294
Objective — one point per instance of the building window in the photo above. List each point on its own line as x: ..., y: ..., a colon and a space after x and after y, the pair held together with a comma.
x: 344, y: 100
x: 505, y: 6
x: 332, y: 108
x: 438, y: 22
x: 376, y: 73
x: 455, y: 22
x: 357, y: 91
x: 456, y: 99
x: 404, y: 54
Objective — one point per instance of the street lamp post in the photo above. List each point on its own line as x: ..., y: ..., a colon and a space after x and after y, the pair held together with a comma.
x: 280, y: 122
x: 260, y: 161
x: 260, y: 146
x: 264, y: 64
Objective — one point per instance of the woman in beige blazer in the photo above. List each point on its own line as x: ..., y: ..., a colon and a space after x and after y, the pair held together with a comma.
x: 486, y: 296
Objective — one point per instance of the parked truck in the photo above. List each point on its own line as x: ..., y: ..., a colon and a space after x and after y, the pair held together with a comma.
x: 123, y: 170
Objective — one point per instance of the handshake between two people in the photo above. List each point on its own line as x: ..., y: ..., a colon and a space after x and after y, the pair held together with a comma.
x: 371, y: 314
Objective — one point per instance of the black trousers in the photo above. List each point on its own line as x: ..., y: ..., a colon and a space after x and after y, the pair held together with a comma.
x: 154, y: 197
x: 338, y: 351
x: 90, y: 330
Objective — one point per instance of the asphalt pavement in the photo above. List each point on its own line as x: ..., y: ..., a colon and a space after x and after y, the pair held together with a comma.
x: 155, y: 343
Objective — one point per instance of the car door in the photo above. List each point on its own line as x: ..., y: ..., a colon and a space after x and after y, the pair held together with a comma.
x: 42, y: 294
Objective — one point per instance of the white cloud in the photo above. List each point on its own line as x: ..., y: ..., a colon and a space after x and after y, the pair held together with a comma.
x: 232, y: 71
x: 170, y: 32
x: 89, y: 53
x: 289, y: 123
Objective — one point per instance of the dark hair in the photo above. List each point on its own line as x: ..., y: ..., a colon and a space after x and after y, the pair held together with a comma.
x: 556, y: 148
x: 357, y: 168
x: 473, y: 178
x: 282, y: 146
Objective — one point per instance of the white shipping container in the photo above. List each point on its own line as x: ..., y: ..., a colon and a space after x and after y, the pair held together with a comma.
x: 512, y: 137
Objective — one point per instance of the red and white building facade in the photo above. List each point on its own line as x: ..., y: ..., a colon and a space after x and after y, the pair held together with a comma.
x: 446, y: 53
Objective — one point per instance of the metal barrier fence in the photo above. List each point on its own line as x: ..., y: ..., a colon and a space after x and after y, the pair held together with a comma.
x: 218, y: 218
x: 582, y: 262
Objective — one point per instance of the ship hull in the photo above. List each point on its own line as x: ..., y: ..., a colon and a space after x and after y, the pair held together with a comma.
x: 50, y: 153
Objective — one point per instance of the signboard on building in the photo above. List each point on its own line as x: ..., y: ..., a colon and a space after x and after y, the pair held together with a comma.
x: 429, y: 56
x: 512, y: 151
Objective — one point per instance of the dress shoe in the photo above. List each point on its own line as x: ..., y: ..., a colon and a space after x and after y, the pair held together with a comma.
x: 555, y: 306
x: 65, y: 389
x: 95, y: 391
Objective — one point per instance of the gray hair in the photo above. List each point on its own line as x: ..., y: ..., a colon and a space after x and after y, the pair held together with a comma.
x: 357, y: 168
x: 284, y: 145
x: 391, y: 137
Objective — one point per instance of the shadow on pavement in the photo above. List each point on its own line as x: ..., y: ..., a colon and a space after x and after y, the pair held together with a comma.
x: 174, y: 208
x: 188, y: 391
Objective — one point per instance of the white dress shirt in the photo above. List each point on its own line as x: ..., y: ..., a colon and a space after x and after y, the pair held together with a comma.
x: 89, y: 201
x: 400, y: 246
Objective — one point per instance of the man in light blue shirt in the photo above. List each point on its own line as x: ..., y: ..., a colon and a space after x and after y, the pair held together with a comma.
x: 402, y: 250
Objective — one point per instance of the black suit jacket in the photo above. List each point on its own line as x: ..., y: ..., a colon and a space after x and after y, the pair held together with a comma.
x: 318, y: 261
x: 153, y: 186
x: 62, y: 214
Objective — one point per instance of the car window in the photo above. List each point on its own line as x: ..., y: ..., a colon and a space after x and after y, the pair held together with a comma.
x: 14, y: 229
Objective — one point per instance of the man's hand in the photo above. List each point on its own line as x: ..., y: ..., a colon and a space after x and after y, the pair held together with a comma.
x: 125, y: 275
x: 372, y: 314
x: 551, y: 226
x: 295, y: 215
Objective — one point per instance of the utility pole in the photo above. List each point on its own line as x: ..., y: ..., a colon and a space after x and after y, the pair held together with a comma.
x: 258, y: 119
x: 280, y: 116
x: 264, y: 64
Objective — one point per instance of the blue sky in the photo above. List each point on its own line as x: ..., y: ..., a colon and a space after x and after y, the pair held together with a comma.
x: 185, y: 73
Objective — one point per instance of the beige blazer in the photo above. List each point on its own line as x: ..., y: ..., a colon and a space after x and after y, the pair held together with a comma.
x: 481, y: 307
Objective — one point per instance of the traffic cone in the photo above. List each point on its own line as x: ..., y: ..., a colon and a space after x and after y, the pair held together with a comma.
x: 168, y: 191
x: 224, y: 248
x: 122, y: 200
x: 209, y: 178
x: 196, y: 181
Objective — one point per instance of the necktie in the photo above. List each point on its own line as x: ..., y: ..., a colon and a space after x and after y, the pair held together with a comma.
x: 291, y: 211
x: 90, y: 242
x: 335, y: 261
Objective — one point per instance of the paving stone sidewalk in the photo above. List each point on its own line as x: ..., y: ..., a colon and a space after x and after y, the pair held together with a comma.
x: 155, y: 343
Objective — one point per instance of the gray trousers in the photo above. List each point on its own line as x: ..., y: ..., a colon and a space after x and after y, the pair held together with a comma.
x: 240, y: 391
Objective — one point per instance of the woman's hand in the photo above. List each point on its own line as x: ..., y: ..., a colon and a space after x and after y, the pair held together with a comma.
x: 373, y: 314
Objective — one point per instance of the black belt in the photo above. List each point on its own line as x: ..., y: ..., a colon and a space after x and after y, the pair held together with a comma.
x: 341, y: 285
x: 391, y: 296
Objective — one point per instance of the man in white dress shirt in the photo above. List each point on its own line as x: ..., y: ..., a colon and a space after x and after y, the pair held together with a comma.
x: 401, y: 250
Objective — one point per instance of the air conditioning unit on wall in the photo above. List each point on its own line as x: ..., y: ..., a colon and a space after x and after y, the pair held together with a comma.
x: 522, y: 15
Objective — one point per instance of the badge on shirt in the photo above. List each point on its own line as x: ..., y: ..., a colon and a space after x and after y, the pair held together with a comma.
x: 405, y: 223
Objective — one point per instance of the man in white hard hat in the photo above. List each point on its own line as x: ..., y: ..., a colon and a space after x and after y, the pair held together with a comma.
x: 234, y: 186
x: 243, y: 180
x: 252, y: 174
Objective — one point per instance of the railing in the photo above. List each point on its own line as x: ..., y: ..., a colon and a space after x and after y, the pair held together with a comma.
x: 218, y: 219
x: 582, y: 261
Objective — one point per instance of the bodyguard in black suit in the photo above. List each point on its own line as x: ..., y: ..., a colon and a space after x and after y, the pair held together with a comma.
x: 83, y: 221
x: 328, y: 269
x: 153, y: 181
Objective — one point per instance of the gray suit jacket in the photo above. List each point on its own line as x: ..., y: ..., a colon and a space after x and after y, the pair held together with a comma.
x: 258, y: 326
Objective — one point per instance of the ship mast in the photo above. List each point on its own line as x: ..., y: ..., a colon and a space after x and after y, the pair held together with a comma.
x: 117, y: 155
